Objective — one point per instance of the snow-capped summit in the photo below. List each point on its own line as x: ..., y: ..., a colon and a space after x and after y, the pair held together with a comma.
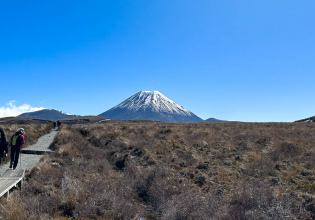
x: 153, y: 106
x: 153, y: 100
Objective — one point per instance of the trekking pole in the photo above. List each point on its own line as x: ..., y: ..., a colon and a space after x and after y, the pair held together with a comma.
x: 20, y: 159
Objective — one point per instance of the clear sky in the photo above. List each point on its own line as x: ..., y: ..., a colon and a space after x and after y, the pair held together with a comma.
x: 229, y: 59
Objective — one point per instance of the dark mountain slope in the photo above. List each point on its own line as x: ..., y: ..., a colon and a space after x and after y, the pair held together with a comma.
x: 47, y: 114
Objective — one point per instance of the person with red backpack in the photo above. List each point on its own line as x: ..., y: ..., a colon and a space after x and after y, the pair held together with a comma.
x: 16, y: 142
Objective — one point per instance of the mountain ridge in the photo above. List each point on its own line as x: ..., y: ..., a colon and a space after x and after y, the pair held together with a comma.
x: 214, y: 120
x: 310, y: 119
x: 153, y: 106
x: 47, y: 114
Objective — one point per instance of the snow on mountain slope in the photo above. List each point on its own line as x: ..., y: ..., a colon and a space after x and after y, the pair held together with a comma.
x: 155, y: 101
x: 310, y: 119
x: 153, y: 106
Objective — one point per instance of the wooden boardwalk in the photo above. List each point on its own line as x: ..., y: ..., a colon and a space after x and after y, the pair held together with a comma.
x: 10, y: 179
x: 30, y: 156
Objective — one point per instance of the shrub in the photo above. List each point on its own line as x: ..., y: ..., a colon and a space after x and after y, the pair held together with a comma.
x: 173, y: 171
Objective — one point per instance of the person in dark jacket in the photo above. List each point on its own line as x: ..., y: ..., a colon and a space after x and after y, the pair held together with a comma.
x: 16, y: 142
x: 58, y: 125
x: 3, y: 144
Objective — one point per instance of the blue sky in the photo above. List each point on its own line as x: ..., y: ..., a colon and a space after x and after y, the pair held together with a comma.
x: 234, y: 60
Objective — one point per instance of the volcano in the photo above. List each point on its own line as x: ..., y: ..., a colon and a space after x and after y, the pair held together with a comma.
x: 151, y: 106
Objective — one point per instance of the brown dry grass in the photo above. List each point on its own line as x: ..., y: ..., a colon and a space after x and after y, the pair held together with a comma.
x: 175, y: 171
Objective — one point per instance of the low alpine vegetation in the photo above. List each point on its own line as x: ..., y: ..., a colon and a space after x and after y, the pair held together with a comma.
x: 173, y: 171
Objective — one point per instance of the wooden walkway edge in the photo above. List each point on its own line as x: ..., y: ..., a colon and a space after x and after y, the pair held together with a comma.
x: 10, y: 179
x: 37, y: 152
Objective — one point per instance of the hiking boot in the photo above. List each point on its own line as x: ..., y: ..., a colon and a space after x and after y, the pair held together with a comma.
x: 10, y: 166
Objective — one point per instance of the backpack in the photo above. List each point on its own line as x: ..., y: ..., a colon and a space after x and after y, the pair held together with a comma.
x: 3, y: 145
x: 16, y: 140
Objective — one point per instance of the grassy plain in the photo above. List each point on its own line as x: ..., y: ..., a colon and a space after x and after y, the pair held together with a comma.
x: 172, y: 171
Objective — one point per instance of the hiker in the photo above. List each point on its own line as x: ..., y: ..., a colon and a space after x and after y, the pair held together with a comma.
x: 16, y: 142
x: 3, y: 144
x: 58, y: 124
x: 54, y: 124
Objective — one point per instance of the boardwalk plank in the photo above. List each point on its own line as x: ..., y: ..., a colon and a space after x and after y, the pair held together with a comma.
x: 13, y: 173
x: 10, y: 179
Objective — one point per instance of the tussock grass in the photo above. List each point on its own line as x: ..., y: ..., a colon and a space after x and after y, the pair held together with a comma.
x: 174, y: 171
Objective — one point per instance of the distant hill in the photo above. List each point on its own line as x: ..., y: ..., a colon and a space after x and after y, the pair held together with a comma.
x: 214, y: 120
x: 151, y: 106
x: 310, y: 119
x: 47, y: 114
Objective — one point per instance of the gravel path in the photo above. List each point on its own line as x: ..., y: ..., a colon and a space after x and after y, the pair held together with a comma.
x: 30, y: 160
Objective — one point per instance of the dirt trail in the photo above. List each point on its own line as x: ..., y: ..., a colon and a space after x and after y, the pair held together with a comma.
x: 28, y: 161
